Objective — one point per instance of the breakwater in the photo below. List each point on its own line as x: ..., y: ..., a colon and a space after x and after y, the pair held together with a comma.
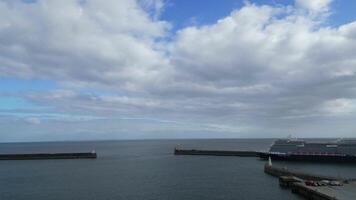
x: 278, y: 172
x: 310, y: 193
x: 314, y: 187
x: 215, y: 152
x: 45, y: 156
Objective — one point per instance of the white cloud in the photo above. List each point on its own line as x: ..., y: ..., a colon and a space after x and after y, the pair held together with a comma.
x: 314, y: 5
x: 339, y: 106
x: 33, y: 120
x: 261, y: 67
x: 81, y: 42
x: 155, y: 7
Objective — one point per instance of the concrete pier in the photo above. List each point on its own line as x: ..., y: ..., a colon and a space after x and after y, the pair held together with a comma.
x: 44, y: 156
x: 296, y: 181
x: 310, y: 193
x: 215, y: 152
x: 345, y: 192
x: 278, y: 172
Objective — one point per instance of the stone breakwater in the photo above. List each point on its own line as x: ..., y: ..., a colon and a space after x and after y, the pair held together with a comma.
x: 45, y: 156
x: 314, y: 187
x: 215, y: 152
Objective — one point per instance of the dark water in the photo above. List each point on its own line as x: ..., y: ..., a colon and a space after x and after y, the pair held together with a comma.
x: 140, y: 170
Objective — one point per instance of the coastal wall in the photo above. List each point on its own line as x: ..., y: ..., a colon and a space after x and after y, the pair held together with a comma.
x: 341, y: 189
x: 278, y: 172
x: 309, y: 193
x: 90, y: 155
x: 215, y: 152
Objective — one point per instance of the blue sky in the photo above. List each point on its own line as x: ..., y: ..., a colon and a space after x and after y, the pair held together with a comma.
x: 200, y: 12
x: 10, y: 85
x: 8, y: 102
x: 112, y: 70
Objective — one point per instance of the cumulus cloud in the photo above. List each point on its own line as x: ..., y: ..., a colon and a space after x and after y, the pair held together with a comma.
x: 33, y: 120
x: 155, y: 7
x: 264, y: 68
x: 314, y: 5
x: 339, y: 106
x: 81, y: 42
x: 299, y: 64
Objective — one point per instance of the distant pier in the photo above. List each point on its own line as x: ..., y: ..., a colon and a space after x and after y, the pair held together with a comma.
x: 265, y: 155
x: 178, y: 151
x: 45, y: 156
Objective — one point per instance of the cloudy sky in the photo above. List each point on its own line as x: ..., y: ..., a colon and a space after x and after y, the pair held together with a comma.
x: 142, y: 69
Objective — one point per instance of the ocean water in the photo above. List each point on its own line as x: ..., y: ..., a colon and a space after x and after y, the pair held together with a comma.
x: 137, y: 170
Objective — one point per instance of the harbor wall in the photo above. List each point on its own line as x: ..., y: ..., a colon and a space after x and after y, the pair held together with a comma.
x: 215, y: 153
x: 277, y: 172
x: 309, y: 193
x: 43, y: 156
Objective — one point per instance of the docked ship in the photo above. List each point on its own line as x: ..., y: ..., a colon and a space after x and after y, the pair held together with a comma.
x: 343, y: 150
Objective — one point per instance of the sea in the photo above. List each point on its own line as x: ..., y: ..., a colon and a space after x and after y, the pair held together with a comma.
x: 148, y: 170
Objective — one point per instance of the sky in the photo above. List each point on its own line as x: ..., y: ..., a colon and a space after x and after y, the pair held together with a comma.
x: 149, y: 69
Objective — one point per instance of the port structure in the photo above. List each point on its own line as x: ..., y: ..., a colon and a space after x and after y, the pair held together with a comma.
x: 46, y: 156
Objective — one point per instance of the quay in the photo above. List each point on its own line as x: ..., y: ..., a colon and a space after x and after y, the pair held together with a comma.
x: 278, y: 172
x: 345, y: 192
x: 313, y: 187
x: 266, y: 155
x: 310, y: 186
x: 45, y: 156
x: 178, y: 151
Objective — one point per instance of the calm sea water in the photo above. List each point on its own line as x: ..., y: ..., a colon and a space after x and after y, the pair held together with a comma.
x: 137, y: 170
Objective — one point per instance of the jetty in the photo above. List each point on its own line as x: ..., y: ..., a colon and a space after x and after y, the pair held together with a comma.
x: 344, y: 192
x: 313, y: 187
x: 307, y: 185
x: 279, y: 172
x: 178, y: 151
x: 45, y: 156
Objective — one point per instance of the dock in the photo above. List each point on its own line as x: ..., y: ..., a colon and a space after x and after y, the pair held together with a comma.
x: 278, y: 172
x: 310, y: 186
x: 344, y: 192
x: 178, y: 151
x: 45, y: 156
x: 314, y: 187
